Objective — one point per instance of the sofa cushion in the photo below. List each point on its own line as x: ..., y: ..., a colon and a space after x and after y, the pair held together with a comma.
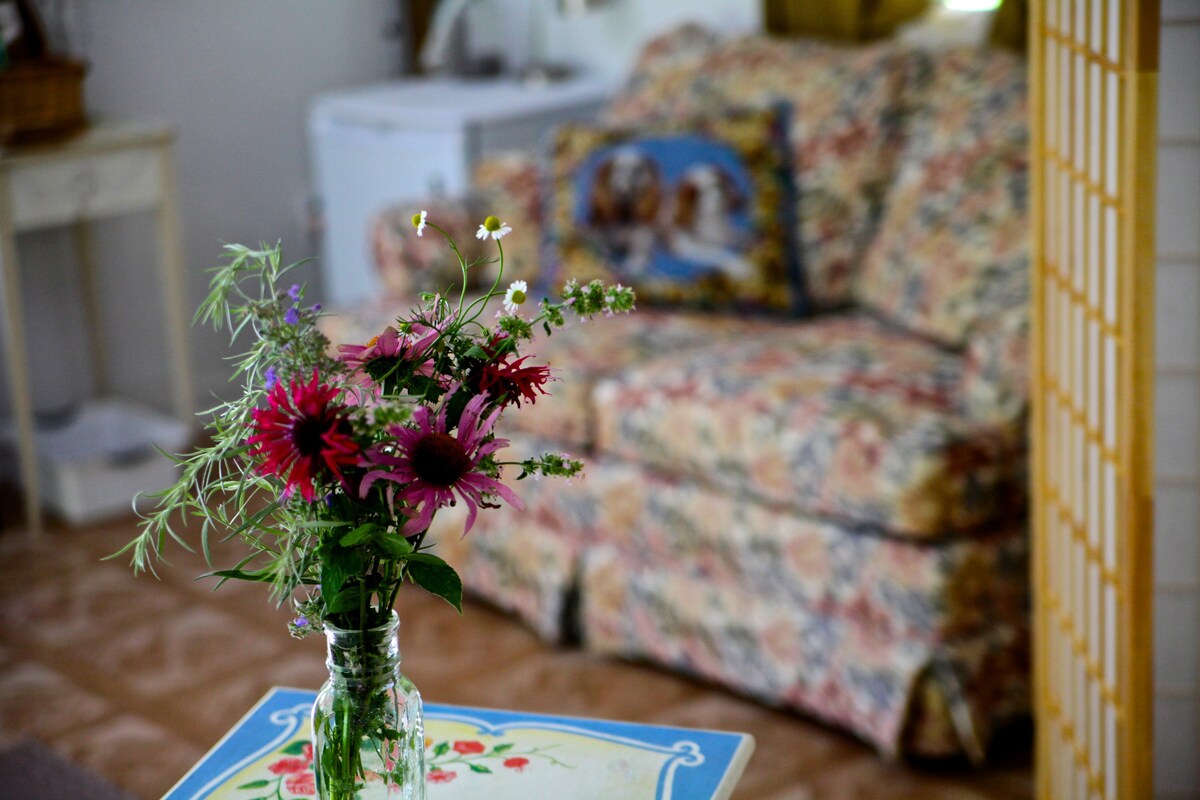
x: 583, y: 353
x: 694, y: 213
x: 952, y: 249
x: 927, y: 592
x: 841, y: 416
x: 845, y: 131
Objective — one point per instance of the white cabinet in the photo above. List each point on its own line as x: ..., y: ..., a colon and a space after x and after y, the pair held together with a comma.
x: 415, y: 139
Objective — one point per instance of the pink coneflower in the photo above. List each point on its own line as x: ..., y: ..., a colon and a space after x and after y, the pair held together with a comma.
x: 434, y: 468
x: 383, y: 355
x: 303, y: 435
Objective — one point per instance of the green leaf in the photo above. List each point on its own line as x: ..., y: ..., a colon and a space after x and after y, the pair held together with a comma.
x: 479, y: 768
x: 359, y: 535
x: 255, y: 785
x: 348, y: 599
x: 337, y: 565
x: 502, y: 748
x: 393, y: 545
x: 257, y: 576
x: 436, y: 577
x: 441, y: 748
x: 295, y: 748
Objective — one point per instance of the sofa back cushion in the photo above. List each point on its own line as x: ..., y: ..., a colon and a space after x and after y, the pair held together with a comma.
x: 951, y: 252
x: 844, y: 129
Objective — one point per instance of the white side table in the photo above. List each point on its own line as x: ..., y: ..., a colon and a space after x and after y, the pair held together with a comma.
x: 417, y: 139
x: 109, y: 170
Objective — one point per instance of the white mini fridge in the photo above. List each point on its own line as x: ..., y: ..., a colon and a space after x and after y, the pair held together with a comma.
x: 406, y: 141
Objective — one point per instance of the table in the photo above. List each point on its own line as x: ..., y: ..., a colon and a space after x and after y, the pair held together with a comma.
x: 418, y: 139
x: 500, y: 755
x: 111, y: 169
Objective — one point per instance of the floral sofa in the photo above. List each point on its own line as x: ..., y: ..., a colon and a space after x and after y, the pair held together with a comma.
x: 825, y: 512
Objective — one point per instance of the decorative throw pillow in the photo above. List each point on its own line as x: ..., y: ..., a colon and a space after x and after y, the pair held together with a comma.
x: 846, y: 130
x: 696, y: 215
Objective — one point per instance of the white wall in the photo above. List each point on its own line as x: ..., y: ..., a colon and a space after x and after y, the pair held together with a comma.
x: 604, y: 41
x: 235, y: 78
x: 1177, y: 543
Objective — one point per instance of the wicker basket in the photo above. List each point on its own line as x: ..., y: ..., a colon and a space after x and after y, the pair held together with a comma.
x: 41, y: 100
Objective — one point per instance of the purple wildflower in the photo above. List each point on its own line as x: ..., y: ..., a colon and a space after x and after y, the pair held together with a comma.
x: 292, y: 316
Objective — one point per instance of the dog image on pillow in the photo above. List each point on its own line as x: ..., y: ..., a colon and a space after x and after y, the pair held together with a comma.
x: 701, y: 222
x: 623, y: 206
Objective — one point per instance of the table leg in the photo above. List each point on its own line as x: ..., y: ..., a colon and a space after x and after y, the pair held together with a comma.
x: 91, y: 307
x: 176, y: 317
x: 14, y: 351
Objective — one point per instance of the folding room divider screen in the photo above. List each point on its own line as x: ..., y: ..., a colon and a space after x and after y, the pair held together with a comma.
x: 1093, y: 100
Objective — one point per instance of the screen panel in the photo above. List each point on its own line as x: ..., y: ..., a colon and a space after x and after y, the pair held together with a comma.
x: 1093, y: 73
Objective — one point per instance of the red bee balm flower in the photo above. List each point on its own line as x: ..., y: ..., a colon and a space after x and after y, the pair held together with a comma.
x: 512, y: 381
x: 433, y: 466
x: 302, y: 435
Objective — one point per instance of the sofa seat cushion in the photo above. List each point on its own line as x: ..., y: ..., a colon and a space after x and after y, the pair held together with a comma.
x: 841, y: 417
x: 583, y: 353
x: 927, y: 592
x: 846, y: 673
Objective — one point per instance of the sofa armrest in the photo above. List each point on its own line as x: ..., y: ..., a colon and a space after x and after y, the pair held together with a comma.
x: 996, y: 377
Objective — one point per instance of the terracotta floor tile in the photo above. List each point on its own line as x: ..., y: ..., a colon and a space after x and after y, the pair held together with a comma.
x: 206, y: 712
x: 38, y: 701
x: 180, y: 651
x: 82, y: 607
x: 143, y: 758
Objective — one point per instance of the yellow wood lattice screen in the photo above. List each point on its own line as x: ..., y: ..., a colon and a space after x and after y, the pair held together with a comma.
x: 1093, y: 72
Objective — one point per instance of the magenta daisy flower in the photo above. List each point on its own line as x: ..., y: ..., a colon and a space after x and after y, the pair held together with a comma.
x: 435, y: 468
x: 302, y: 436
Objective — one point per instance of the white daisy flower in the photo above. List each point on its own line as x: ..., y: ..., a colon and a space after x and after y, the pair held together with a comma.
x: 419, y: 221
x: 494, y: 228
x: 515, y: 296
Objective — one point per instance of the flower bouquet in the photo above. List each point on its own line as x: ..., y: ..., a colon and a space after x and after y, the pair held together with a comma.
x: 332, y: 465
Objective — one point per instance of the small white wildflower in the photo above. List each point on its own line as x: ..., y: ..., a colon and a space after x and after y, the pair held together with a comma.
x: 494, y: 228
x: 419, y: 221
x: 515, y: 296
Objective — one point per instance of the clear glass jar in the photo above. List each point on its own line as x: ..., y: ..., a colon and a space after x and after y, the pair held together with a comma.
x: 368, y: 726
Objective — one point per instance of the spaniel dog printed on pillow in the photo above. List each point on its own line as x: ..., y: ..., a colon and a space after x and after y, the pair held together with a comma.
x: 695, y: 216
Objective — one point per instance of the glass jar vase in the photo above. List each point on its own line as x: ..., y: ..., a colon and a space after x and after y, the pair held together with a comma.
x: 368, y: 727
